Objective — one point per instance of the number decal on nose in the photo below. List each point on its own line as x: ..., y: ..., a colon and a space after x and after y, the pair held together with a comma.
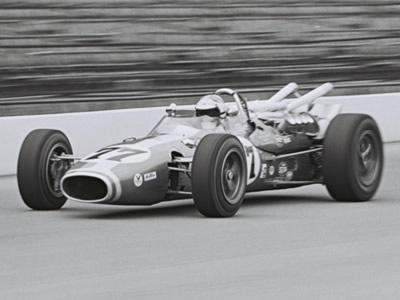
x: 122, y: 154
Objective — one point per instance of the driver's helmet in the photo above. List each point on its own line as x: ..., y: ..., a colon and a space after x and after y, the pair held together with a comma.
x: 210, y: 105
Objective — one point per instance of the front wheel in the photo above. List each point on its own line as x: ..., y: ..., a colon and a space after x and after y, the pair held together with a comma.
x: 352, y: 157
x: 219, y: 175
x: 39, y: 172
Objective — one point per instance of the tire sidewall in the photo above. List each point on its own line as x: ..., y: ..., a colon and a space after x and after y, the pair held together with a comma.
x: 341, y: 157
x: 362, y: 191
x: 220, y: 200
x: 32, y: 168
x: 207, y: 170
x: 43, y: 164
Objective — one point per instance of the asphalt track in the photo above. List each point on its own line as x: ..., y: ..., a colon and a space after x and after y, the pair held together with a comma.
x: 293, y: 244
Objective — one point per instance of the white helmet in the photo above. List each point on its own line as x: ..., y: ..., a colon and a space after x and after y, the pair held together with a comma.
x: 210, y: 105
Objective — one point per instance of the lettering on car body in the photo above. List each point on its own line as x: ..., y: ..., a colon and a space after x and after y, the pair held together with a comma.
x: 281, y: 140
x: 150, y: 176
x: 264, y: 168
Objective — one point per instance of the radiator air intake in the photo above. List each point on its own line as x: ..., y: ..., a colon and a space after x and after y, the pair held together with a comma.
x: 85, y: 188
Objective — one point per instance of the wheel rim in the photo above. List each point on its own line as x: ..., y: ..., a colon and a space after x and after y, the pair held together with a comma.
x: 55, y: 169
x: 368, y: 160
x: 232, y: 177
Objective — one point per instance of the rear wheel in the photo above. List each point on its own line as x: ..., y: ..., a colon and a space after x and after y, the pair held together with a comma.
x: 219, y: 175
x: 352, y: 157
x: 39, y: 172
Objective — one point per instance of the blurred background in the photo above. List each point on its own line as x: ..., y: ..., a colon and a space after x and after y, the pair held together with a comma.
x: 80, y: 55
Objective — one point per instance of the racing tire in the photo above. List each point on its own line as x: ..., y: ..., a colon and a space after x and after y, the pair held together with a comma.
x: 37, y: 173
x: 352, y: 158
x: 219, y: 175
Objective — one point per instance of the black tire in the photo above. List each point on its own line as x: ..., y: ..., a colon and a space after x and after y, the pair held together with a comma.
x: 36, y: 172
x: 352, y: 158
x: 219, y: 175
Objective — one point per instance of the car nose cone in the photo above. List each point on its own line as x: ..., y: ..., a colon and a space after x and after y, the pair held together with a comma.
x: 90, y: 187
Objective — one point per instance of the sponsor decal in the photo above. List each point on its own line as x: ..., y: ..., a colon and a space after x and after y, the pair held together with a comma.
x: 271, y: 170
x: 283, y: 168
x: 150, y: 176
x: 138, y: 180
x: 264, y: 168
x: 281, y: 140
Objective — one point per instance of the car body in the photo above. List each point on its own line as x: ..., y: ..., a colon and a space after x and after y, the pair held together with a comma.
x: 257, y: 145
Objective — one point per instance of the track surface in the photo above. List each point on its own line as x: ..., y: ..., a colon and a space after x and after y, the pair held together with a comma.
x: 294, y: 244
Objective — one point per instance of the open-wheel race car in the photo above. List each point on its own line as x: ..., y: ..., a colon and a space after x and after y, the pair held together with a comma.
x: 214, y: 153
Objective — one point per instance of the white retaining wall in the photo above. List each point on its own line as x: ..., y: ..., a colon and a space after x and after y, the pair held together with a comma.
x: 90, y: 131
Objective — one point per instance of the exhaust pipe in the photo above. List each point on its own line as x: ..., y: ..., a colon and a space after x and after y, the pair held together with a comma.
x: 273, y: 103
x: 284, y: 92
x: 310, y: 96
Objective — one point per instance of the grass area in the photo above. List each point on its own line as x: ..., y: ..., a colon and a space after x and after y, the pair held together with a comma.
x: 72, y: 48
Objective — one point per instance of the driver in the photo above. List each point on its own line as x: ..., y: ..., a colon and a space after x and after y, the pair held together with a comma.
x: 211, y: 105
x: 213, y: 110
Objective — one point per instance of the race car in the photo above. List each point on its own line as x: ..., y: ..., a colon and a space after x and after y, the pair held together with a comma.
x: 215, y: 153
